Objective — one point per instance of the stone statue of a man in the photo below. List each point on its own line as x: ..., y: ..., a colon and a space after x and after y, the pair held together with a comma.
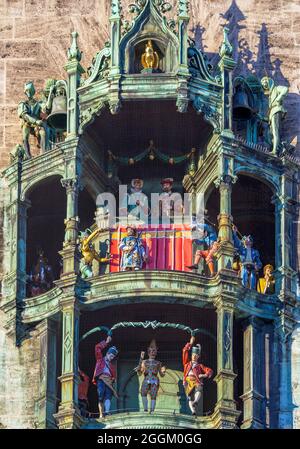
x: 276, y: 110
x: 30, y: 112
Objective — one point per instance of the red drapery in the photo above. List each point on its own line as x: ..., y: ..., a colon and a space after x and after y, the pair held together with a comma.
x: 167, y: 247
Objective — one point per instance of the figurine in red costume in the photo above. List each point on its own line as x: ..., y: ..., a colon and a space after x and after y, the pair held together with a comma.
x: 105, y: 375
x: 193, y: 374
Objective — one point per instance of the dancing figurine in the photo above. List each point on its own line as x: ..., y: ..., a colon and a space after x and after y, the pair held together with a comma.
x: 193, y: 374
x: 208, y: 236
x: 249, y: 259
x: 266, y: 285
x: 105, y: 376
x: 89, y: 253
x: 133, y: 251
x: 150, y: 368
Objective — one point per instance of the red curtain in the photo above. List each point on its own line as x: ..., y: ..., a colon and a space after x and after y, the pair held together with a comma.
x: 167, y: 247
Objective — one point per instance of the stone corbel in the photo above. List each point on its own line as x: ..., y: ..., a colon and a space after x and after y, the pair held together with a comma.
x: 114, y: 107
x: 87, y: 116
x: 211, y: 115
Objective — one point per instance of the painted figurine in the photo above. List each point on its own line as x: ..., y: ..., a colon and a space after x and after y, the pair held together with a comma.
x: 83, y: 389
x: 150, y: 368
x: 89, y: 253
x: 136, y: 202
x: 133, y: 251
x: 41, y: 278
x: 105, y: 375
x: 249, y: 258
x: 168, y: 208
x: 276, y: 110
x: 266, y: 285
x: 193, y: 374
x: 30, y: 112
x: 207, y: 236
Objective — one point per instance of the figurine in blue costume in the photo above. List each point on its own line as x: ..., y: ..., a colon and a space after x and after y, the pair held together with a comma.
x: 133, y: 251
x: 207, y: 236
x: 249, y: 258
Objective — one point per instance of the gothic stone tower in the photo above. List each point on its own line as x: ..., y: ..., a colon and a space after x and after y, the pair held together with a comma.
x: 206, y: 131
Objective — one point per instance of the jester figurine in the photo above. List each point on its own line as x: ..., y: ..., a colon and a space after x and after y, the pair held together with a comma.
x: 193, y: 374
x: 150, y: 368
x: 207, y: 236
x: 249, y: 259
x: 89, y: 253
x: 133, y: 251
x: 105, y: 375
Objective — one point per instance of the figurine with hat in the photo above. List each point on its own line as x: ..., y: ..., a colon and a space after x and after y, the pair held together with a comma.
x: 105, y: 375
x: 193, y: 374
x: 166, y: 206
x: 136, y: 202
x: 150, y: 368
x: 133, y: 251
x: 249, y: 258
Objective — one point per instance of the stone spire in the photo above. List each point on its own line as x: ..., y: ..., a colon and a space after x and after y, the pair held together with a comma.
x: 226, y: 47
x: 74, y: 54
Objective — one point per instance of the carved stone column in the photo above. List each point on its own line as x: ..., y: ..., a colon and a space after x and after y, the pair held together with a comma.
x: 46, y: 404
x: 254, y: 396
x: 68, y: 416
x: 70, y: 253
x: 283, y: 410
x: 225, y: 414
x: 226, y: 249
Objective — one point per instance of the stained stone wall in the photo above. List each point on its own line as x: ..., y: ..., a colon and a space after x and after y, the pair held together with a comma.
x: 34, y: 36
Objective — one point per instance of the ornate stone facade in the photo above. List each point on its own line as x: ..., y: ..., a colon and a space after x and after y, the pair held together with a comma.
x: 194, y: 77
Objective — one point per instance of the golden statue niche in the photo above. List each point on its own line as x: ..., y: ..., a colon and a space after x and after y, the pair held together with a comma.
x: 150, y: 59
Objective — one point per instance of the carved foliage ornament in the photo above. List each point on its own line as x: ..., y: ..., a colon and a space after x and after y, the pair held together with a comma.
x: 210, y: 114
x: 88, y: 115
x: 100, y: 65
x: 138, y: 6
x: 199, y: 65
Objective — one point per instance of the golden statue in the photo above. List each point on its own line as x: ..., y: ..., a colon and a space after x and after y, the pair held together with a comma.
x: 150, y: 59
x: 89, y: 253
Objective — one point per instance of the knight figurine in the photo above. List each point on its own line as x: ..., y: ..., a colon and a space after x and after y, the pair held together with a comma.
x: 249, y: 259
x: 30, y: 112
x: 276, y: 110
x: 150, y: 368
